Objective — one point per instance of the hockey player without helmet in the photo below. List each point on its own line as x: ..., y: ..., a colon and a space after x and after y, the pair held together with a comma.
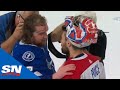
x: 81, y: 33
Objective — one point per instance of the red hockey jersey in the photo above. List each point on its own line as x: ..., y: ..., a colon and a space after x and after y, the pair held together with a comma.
x: 87, y: 67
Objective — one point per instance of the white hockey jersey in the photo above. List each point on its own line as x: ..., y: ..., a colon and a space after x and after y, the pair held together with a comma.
x: 87, y: 67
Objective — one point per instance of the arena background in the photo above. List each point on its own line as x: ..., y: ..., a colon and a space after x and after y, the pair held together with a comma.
x: 108, y: 21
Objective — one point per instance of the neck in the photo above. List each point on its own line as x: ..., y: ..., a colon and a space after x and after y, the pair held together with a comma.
x: 74, y: 53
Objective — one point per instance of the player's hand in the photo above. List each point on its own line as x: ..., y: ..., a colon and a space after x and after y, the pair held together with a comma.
x: 56, y: 33
x: 18, y: 31
x: 63, y: 71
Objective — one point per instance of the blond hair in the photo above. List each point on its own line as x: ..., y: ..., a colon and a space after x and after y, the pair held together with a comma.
x: 89, y: 14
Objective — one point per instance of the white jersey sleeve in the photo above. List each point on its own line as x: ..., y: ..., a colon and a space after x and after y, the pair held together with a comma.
x: 94, y: 71
x: 102, y: 74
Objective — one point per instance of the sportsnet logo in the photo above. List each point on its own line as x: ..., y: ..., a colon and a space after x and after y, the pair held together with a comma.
x: 12, y: 70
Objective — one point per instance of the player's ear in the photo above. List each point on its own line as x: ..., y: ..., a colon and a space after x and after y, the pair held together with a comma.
x: 68, y: 43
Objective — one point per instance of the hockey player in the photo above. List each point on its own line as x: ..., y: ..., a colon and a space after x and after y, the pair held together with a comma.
x: 32, y: 50
x: 75, y: 38
x: 11, y: 25
x: 97, y: 49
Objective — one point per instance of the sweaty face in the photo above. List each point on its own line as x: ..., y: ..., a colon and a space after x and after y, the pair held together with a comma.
x: 63, y: 44
x: 39, y: 37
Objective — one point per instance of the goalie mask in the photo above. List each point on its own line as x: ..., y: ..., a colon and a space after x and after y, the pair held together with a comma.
x: 81, y: 33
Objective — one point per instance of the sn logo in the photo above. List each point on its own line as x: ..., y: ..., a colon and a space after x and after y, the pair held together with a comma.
x: 11, y: 70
